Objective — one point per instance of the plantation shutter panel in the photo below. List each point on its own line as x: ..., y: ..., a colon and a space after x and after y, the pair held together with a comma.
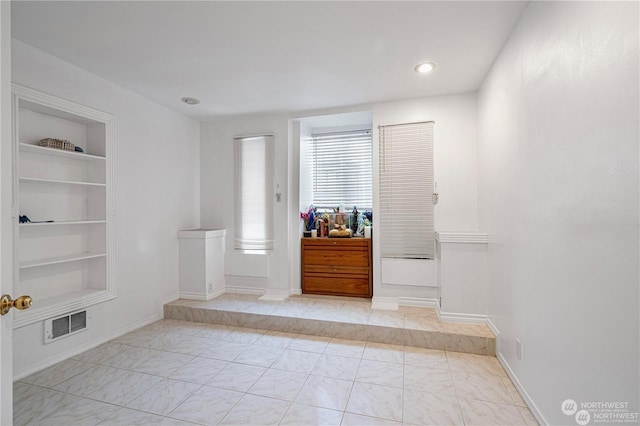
x: 254, y: 193
x: 406, y: 217
x: 342, y: 169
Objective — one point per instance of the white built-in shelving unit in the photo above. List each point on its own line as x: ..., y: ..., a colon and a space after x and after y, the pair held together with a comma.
x: 64, y: 261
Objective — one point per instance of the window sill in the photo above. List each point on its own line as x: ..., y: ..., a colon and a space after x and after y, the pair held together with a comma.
x: 251, y: 252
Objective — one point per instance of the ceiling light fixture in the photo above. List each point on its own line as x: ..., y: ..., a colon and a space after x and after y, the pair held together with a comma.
x: 190, y: 101
x: 424, y: 67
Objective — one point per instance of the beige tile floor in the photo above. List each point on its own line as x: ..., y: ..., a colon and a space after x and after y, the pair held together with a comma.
x: 181, y: 373
x: 340, y: 317
x: 341, y: 309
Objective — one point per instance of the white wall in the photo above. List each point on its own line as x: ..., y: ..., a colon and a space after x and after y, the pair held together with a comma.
x: 157, y: 188
x: 455, y: 152
x: 558, y: 118
x: 217, y: 196
x: 455, y: 171
x: 305, y: 178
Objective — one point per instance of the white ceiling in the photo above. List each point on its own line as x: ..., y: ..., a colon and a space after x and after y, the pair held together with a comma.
x: 250, y: 57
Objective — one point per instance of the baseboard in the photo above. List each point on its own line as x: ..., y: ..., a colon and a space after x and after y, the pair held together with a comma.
x: 216, y: 293
x: 523, y: 393
x: 167, y: 299
x: 191, y: 296
x: 418, y: 301
x: 244, y: 290
x: 79, y: 349
x: 493, y: 328
x: 392, y: 303
x: 200, y: 296
x: 458, y: 317
x: 295, y: 292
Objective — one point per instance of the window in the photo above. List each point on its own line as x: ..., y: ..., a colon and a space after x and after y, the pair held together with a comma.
x: 341, y: 169
x: 406, y: 225
x: 254, y: 193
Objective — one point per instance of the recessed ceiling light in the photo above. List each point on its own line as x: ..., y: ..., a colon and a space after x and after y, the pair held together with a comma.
x: 190, y: 101
x: 424, y: 67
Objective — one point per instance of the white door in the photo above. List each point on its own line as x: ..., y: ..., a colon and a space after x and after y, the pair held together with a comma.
x: 6, y: 223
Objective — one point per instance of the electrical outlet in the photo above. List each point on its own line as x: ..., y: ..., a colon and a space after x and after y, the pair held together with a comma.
x: 518, y: 349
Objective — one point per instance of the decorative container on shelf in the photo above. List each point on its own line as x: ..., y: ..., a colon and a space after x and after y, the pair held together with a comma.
x: 339, y: 225
x: 57, y: 144
x: 340, y: 233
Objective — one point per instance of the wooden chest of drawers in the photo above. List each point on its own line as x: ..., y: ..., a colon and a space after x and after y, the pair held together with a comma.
x: 337, y: 267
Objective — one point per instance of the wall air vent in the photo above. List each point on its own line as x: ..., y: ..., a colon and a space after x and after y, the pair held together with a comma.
x: 65, y: 325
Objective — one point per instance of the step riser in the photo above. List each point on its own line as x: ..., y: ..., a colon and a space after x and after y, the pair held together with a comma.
x: 335, y: 329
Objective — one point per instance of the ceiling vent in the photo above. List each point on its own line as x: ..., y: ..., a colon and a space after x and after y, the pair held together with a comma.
x: 65, y: 325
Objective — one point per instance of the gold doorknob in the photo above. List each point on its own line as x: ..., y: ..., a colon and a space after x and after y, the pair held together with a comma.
x: 22, y: 302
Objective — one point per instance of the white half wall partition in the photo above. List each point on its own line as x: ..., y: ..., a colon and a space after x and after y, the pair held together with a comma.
x: 202, y: 263
x: 410, y: 272
x: 463, y: 276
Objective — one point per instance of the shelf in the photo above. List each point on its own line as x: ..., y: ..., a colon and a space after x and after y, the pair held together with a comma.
x: 36, y: 149
x: 71, y: 222
x: 50, y: 301
x: 58, y: 305
x: 60, y: 259
x: 64, y: 265
x: 63, y: 182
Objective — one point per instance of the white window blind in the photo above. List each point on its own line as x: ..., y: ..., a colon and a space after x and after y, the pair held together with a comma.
x: 342, y: 169
x: 254, y: 193
x: 406, y: 222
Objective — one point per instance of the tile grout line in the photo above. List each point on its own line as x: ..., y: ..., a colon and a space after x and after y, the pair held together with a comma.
x: 455, y: 390
x: 402, y: 413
